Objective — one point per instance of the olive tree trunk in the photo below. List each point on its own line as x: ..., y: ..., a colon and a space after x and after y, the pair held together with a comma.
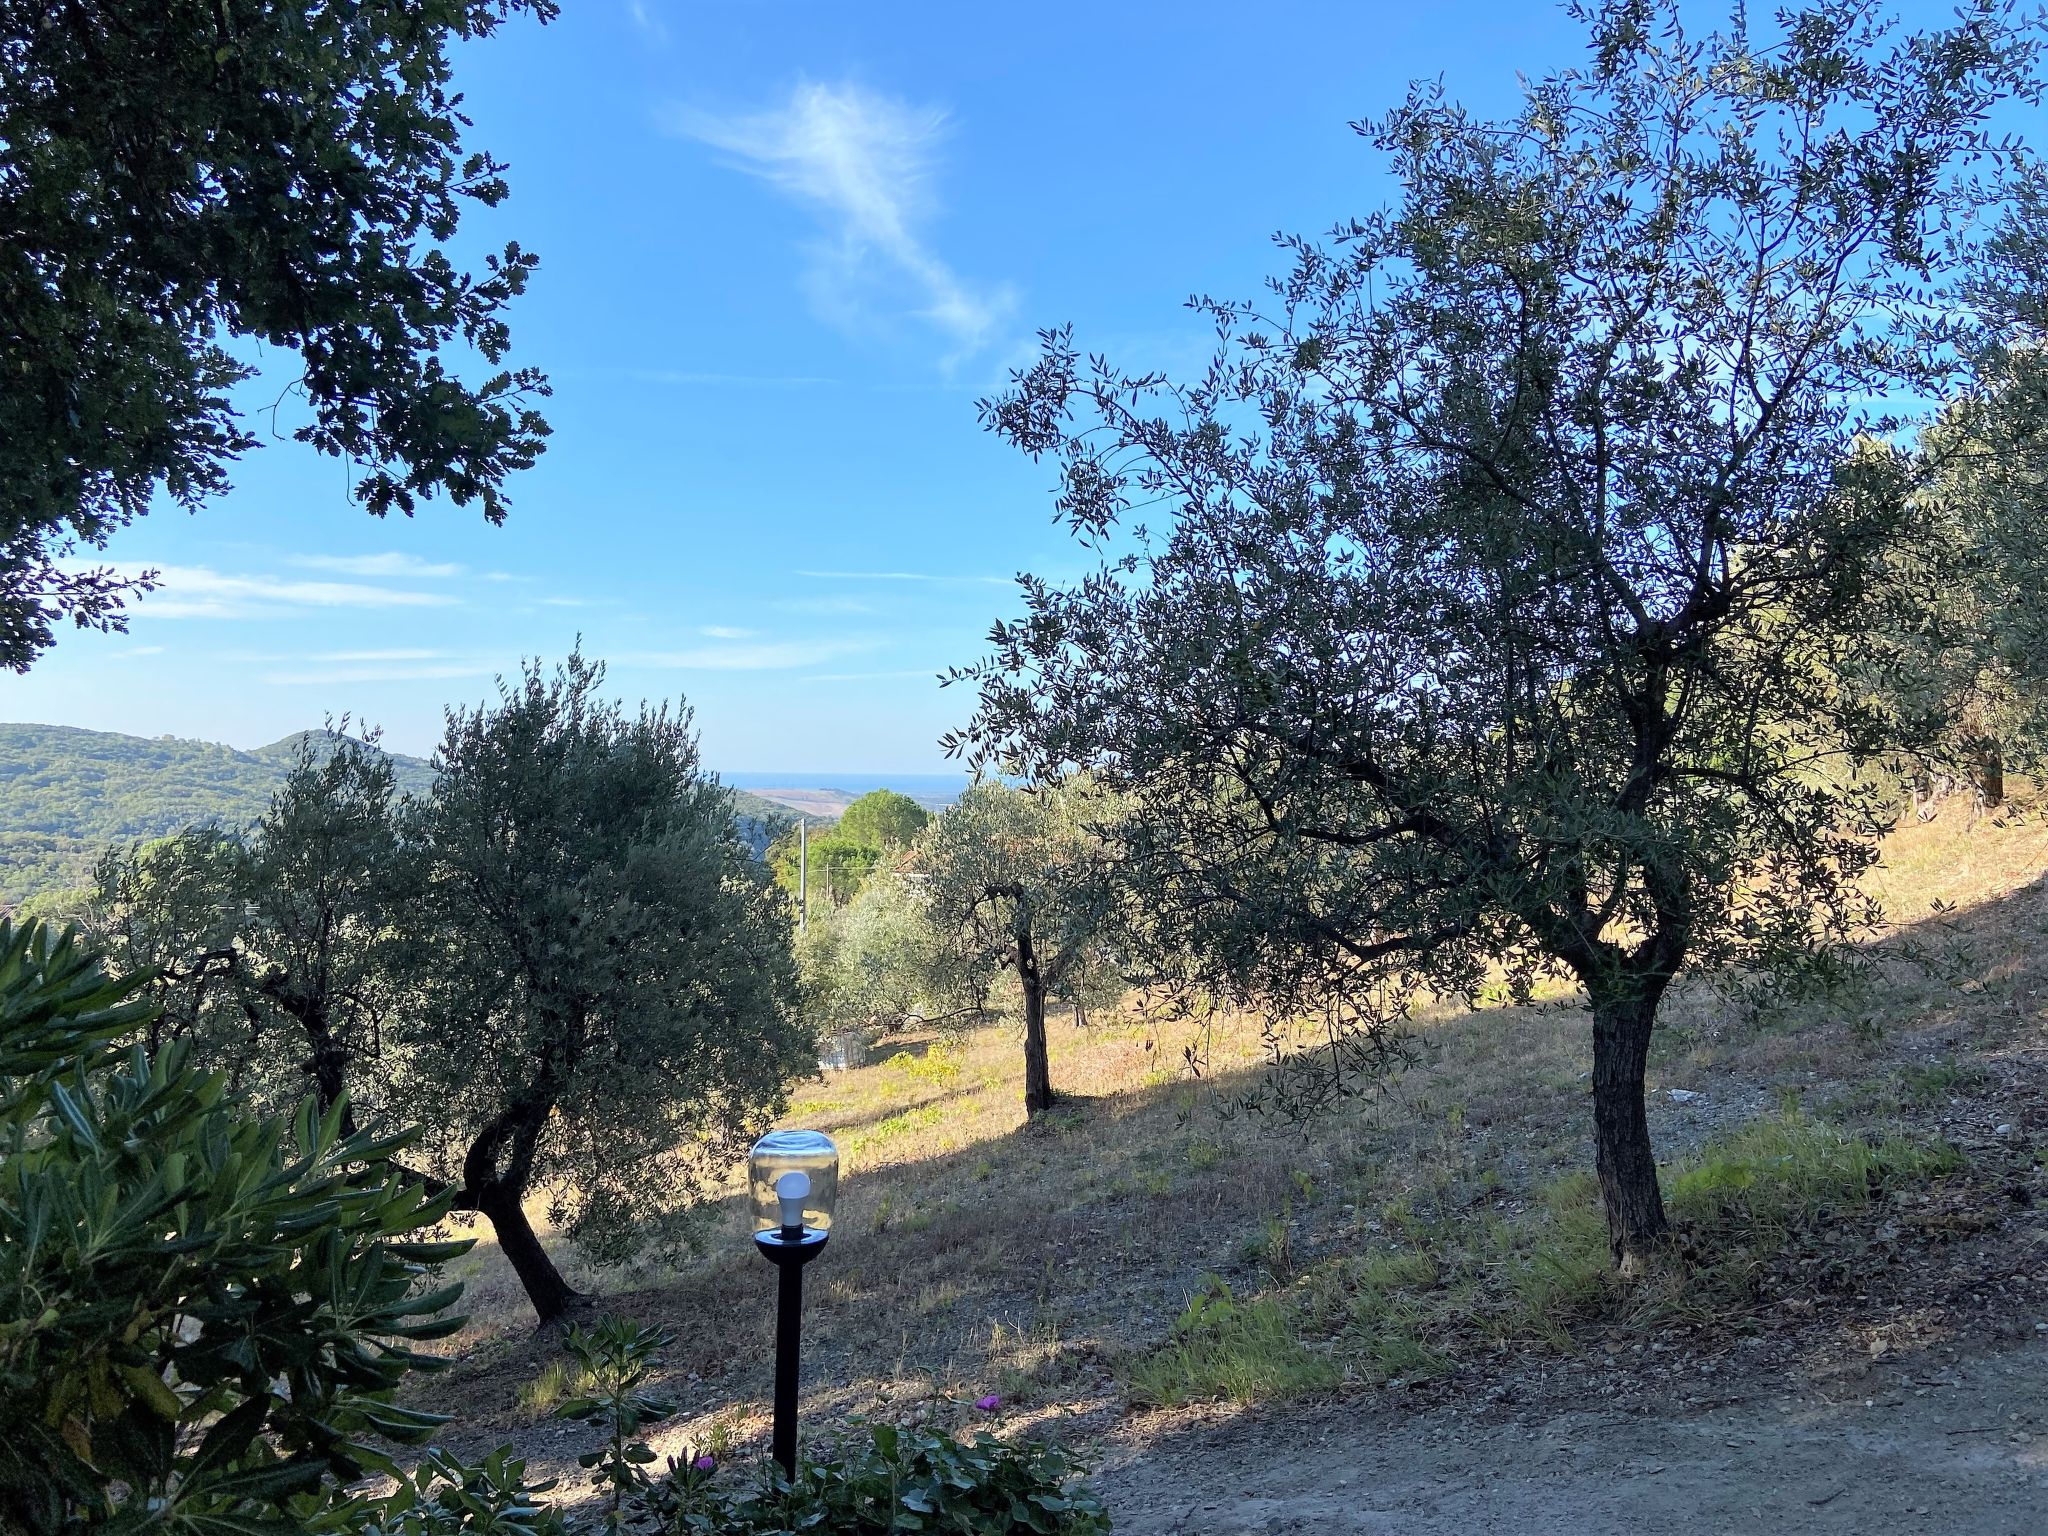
x: 1623, y: 1018
x: 551, y: 1295
x: 1037, y: 1067
x: 1990, y: 778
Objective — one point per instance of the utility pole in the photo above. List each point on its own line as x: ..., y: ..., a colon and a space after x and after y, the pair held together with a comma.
x: 803, y: 872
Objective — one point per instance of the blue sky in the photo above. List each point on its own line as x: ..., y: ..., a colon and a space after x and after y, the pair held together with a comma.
x: 784, y: 246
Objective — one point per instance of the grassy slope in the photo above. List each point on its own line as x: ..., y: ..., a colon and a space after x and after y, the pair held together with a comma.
x: 1053, y: 1264
x: 65, y: 794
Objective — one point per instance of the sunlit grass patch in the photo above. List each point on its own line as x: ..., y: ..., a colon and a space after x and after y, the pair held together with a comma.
x: 558, y: 1381
x: 1223, y: 1349
x: 1444, y: 1287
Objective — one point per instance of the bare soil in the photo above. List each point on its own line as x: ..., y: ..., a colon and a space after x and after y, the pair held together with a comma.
x: 1903, y: 1446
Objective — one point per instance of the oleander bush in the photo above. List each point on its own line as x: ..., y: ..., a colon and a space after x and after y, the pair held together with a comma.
x: 203, y: 1313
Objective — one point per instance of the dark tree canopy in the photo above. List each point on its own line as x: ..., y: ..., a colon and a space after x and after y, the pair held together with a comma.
x: 183, y: 180
x: 1510, y: 559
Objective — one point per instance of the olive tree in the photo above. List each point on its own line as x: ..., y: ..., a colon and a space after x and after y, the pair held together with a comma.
x: 604, y: 1002
x: 1019, y: 881
x: 1480, y: 612
x: 277, y: 949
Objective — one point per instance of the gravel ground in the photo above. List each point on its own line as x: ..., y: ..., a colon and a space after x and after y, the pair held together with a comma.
x: 1959, y: 1448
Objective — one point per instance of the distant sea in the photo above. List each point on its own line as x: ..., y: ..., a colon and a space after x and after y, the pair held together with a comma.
x: 925, y: 788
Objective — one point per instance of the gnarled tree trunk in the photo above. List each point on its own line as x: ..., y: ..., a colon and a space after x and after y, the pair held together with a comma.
x: 1990, y: 777
x: 1623, y: 1017
x: 551, y: 1295
x: 1037, y: 1067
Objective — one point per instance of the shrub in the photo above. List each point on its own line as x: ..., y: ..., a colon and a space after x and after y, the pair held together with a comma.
x: 887, y: 1480
x: 203, y: 1314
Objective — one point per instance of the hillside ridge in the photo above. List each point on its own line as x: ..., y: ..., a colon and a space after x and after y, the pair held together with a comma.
x: 66, y: 793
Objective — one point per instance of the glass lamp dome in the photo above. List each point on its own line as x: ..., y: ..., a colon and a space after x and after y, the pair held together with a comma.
x: 793, y: 1173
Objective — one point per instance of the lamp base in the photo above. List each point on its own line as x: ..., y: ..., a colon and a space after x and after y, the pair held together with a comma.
x: 779, y: 1250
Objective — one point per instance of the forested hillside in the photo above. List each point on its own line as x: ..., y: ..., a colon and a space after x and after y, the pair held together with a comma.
x: 65, y: 794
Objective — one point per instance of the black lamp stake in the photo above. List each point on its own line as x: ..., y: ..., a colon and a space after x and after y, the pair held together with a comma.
x: 789, y: 1249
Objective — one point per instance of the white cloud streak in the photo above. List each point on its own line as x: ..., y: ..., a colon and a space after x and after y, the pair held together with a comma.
x: 389, y: 564
x: 200, y: 592
x: 927, y: 576
x: 743, y: 656
x: 863, y: 163
x: 382, y: 672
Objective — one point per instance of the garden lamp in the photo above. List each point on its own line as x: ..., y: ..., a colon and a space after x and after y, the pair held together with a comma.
x: 792, y: 1181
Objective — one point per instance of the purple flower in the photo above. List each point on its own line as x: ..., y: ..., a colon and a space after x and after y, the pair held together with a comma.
x: 988, y: 1404
x: 706, y: 1463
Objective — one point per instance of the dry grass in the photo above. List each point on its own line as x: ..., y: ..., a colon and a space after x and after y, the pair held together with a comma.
x: 1051, y: 1263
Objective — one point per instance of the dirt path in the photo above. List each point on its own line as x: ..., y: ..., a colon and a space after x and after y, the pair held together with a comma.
x: 1959, y: 1450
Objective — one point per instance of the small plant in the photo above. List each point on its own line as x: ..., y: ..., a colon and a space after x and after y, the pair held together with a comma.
x: 616, y: 1358
x: 557, y: 1380
x: 1236, y: 1351
x: 938, y: 1067
x: 442, y: 1496
x: 1941, y: 1081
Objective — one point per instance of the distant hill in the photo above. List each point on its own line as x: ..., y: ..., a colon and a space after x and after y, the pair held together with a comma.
x: 65, y: 794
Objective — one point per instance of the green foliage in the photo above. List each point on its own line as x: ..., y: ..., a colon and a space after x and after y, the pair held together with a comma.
x: 883, y: 819
x: 443, y: 1496
x: 1021, y: 881
x: 616, y: 1358
x: 1497, y: 582
x: 1228, y: 1350
x: 203, y: 1314
x: 836, y: 862
x: 186, y: 179
x: 889, y: 1481
x: 878, y: 962
x: 66, y: 794
x: 603, y: 991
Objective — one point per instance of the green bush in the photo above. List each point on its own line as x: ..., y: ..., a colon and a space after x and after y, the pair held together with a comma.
x: 885, y: 1481
x: 203, y: 1314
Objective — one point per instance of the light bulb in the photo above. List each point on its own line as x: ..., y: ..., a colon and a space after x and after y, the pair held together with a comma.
x: 791, y: 1190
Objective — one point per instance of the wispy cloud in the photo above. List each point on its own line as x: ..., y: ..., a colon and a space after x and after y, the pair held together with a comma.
x: 394, y: 655
x: 864, y: 677
x: 683, y: 376
x: 864, y: 164
x: 376, y: 672
x: 727, y: 632
x: 200, y: 592
x: 928, y: 576
x: 389, y: 564
x: 826, y: 607
x: 744, y: 656
x: 645, y: 19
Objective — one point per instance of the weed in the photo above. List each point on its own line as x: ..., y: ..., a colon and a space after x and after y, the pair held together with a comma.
x: 558, y: 1381
x: 938, y: 1067
x: 1940, y: 1082
x: 897, y: 1127
x: 1229, y: 1350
